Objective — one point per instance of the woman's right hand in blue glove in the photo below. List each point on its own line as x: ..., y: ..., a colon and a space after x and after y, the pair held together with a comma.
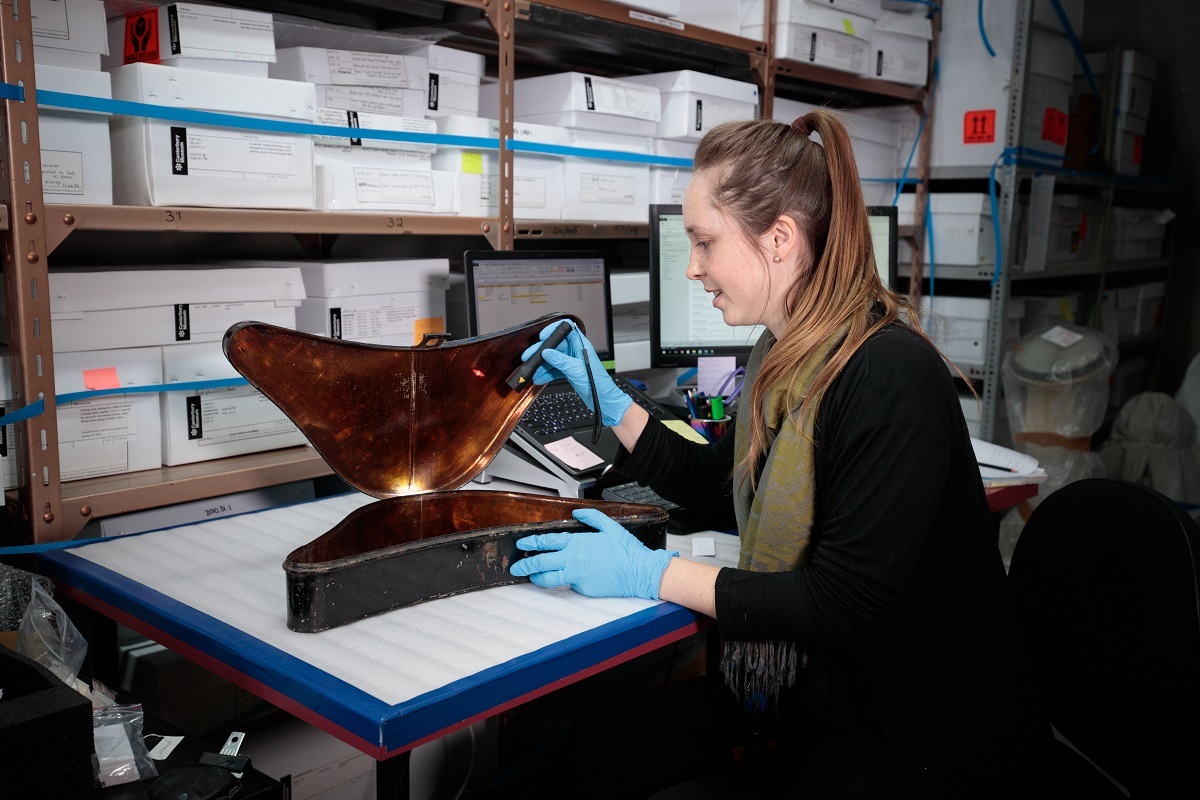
x: 567, y: 361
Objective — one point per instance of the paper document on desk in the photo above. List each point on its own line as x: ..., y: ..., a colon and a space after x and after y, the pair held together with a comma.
x: 1000, y: 466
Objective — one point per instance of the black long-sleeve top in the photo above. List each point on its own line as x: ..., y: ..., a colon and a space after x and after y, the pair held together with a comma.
x: 904, y: 586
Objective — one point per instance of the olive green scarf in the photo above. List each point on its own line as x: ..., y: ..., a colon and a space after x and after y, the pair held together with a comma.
x: 775, y: 518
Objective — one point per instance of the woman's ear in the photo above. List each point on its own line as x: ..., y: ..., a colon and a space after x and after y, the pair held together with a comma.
x: 785, y: 242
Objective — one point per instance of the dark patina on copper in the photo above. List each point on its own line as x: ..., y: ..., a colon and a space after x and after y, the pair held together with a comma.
x: 409, y: 424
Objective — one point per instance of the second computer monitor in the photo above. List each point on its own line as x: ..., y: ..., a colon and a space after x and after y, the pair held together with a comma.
x: 683, y: 323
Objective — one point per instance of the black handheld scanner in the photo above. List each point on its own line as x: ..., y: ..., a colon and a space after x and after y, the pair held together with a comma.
x: 522, y: 376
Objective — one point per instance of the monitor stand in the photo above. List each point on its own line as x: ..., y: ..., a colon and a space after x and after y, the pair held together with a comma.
x: 515, y: 464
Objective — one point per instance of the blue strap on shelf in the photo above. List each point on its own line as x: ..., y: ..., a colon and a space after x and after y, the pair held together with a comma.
x: 10, y: 91
x: 983, y: 32
x: 44, y: 547
x: 129, y: 108
x: 1075, y: 45
x: 917, y: 138
x: 39, y: 406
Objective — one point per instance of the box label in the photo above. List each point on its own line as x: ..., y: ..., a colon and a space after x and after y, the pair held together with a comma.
x: 529, y: 192
x: 432, y: 95
x: 94, y: 436
x: 141, y: 37
x: 1054, y: 126
x: 49, y: 19
x: 376, y: 99
x: 183, y: 322
x: 179, y: 151
x: 391, y: 322
x: 173, y: 29
x: 589, y: 95
x: 979, y: 127
x: 831, y: 48
x: 226, y: 34
x: 195, y: 424
x: 233, y: 155
x: 4, y: 439
x: 367, y: 121
x: 369, y: 69
x: 699, y: 115
x: 235, y: 414
x: 62, y: 172
x: 595, y: 187
x: 335, y: 323
x: 394, y: 185
x: 609, y: 97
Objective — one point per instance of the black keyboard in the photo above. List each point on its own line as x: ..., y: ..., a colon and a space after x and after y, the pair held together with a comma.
x: 634, y: 492
x: 554, y: 412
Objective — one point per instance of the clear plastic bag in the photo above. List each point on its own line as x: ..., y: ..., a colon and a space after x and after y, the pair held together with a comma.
x: 48, y: 636
x: 121, y: 755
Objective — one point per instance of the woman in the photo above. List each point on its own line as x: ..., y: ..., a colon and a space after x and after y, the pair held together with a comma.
x: 869, y: 612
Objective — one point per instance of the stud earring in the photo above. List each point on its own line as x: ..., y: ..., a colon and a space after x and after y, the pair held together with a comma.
x: 777, y: 259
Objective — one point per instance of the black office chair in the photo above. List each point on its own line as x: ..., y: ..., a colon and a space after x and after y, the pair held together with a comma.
x: 1104, y: 578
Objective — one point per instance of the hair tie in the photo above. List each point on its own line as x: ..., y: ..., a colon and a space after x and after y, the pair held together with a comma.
x: 800, y: 125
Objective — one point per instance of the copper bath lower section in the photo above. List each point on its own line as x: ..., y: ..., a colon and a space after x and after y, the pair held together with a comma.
x: 405, y: 550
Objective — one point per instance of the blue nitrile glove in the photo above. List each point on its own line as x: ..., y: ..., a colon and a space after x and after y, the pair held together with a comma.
x: 608, y: 562
x: 567, y: 361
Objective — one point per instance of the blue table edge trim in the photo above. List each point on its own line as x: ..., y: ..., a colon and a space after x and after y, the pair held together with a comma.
x: 394, y: 728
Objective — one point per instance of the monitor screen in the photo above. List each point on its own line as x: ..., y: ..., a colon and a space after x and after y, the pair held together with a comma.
x: 509, y: 288
x: 683, y: 323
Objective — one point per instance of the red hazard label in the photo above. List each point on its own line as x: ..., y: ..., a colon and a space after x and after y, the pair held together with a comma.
x: 1054, y: 126
x: 141, y: 37
x: 979, y: 127
x: 1137, y: 148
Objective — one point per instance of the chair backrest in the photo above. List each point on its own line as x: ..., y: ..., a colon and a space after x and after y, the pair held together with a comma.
x: 1104, y: 578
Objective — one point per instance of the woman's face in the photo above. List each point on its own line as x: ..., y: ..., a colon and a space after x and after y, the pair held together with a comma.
x: 745, y: 284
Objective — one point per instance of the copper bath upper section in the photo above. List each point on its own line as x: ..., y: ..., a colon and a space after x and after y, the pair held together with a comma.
x: 392, y: 421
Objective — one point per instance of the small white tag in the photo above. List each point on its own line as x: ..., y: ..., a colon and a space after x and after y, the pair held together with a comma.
x: 704, y: 547
x: 573, y: 454
x: 669, y: 23
x: 165, y: 745
x: 1062, y: 336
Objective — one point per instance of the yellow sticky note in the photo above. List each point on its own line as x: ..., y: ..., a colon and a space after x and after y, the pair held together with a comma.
x: 472, y: 163
x: 102, y: 378
x: 848, y: 25
x: 1064, y: 308
x: 685, y: 430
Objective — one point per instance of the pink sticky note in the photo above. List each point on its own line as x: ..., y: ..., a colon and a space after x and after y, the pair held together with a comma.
x: 103, y: 378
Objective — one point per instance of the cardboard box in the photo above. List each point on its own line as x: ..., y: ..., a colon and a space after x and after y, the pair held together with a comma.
x: 958, y: 327
x: 537, y: 177
x: 67, y: 59
x: 76, y: 157
x: 815, y: 34
x: 900, y: 48
x: 350, y: 68
x: 200, y: 425
x: 1136, y: 234
x: 389, y: 100
x: 388, y: 301
x: 74, y: 25
x: 453, y: 83
x: 963, y: 232
x: 366, y: 151
x: 584, y: 102
x: 609, y: 191
x: 693, y: 103
x: 160, y: 163
x: 101, y: 309
x: 8, y: 442
x: 201, y: 37
x: 668, y: 183
x: 111, y: 434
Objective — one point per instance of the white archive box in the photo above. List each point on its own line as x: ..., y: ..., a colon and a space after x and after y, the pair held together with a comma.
x: 1135, y: 80
x: 900, y: 48
x: 350, y: 151
x: 1136, y: 233
x: 717, y: 15
x: 663, y: 8
x: 8, y: 452
x: 694, y: 103
x: 203, y: 424
x: 76, y: 157
x: 963, y: 229
x: 1048, y: 93
x: 390, y: 100
x: 815, y: 34
x: 68, y: 33
x: 345, y: 183
x: 225, y: 505
x: 537, y: 177
x: 208, y: 38
x: 110, y: 434
x: 1145, y: 301
x: 876, y: 144
x: 585, y: 102
x: 350, y: 67
x: 453, y: 83
x: 669, y: 182
x: 159, y: 163
x: 384, y: 301
x: 605, y: 190
x: 958, y: 327
x: 102, y: 309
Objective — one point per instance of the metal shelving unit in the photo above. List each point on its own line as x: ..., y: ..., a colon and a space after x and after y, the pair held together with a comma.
x: 595, y: 35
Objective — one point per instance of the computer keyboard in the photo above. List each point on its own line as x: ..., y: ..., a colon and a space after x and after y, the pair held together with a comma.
x: 633, y: 492
x: 551, y: 412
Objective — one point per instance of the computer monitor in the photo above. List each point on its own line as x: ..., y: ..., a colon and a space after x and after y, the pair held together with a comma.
x: 683, y: 323
x: 509, y: 288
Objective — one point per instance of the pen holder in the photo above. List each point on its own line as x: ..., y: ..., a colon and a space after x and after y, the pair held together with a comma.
x: 712, y: 429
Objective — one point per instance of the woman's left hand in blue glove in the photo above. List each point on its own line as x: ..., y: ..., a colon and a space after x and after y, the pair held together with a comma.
x: 607, y: 562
